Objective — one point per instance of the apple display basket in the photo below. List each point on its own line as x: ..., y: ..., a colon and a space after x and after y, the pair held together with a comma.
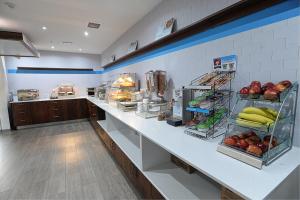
x: 279, y: 134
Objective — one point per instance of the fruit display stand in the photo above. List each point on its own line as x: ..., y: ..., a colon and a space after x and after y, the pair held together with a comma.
x: 206, y: 104
x: 260, y: 130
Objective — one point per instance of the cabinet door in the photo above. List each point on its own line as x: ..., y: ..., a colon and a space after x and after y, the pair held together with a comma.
x: 39, y: 112
x: 82, y: 108
x: 107, y: 141
x: 112, y: 146
x: 119, y: 156
x: 21, y: 114
x: 70, y: 112
x: 56, y: 111
x: 126, y: 166
x: 93, y: 112
x: 100, y: 131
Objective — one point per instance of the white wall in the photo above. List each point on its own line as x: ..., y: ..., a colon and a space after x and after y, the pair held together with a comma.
x: 269, y: 53
x: 3, y: 96
x: 185, y: 11
x: 46, y: 82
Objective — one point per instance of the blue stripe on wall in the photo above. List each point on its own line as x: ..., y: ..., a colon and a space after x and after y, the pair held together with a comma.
x: 279, y: 12
x: 15, y: 71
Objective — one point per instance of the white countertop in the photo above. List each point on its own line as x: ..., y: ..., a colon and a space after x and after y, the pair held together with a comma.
x: 245, y: 180
x: 15, y: 100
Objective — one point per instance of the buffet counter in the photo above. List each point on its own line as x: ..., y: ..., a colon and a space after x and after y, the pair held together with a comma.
x: 15, y: 99
x: 242, y: 179
x: 46, y: 110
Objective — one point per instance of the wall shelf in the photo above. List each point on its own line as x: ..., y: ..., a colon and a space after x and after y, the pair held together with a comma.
x: 229, y: 14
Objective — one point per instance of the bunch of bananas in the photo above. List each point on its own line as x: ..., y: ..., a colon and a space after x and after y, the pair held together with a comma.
x: 257, y: 117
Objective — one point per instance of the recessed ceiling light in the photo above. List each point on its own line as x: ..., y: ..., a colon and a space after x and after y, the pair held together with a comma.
x: 11, y: 5
x: 80, y: 49
x: 67, y: 42
x: 86, y: 33
x: 93, y: 25
x: 52, y: 47
x: 44, y: 28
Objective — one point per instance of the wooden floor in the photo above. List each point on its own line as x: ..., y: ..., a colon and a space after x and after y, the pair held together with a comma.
x: 65, y: 161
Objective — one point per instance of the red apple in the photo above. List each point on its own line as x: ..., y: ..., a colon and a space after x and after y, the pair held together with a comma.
x: 255, y: 83
x: 252, y: 91
x: 230, y: 141
x: 235, y: 137
x: 249, y: 141
x: 279, y: 87
x: 242, y: 144
x: 267, y: 86
x: 244, y: 90
x: 271, y: 94
x: 255, y: 90
x: 267, y: 139
x: 263, y: 147
x: 255, y: 138
x: 254, y: 150
x: 286, y: 83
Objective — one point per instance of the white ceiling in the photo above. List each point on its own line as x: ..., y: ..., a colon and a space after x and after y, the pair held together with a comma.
x: 66, y: 20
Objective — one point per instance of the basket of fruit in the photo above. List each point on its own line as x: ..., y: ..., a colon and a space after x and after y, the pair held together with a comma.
x: 261, y: 125
x: 262, y: 118
x: 267, y: 91
x: 249, y: 142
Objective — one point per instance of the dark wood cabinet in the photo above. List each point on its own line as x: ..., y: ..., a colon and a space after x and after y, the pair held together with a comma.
x: 93, y: 111
x: 120, y: 157
x: 94, y: 114
x: 71, y: 109
x: 21, y: 113
x: 37, y: 112
x: 56, y: 111
x: 110, y: 144
x: 82, y: 107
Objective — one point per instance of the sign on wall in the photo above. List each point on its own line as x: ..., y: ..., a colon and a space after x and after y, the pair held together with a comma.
x: 226, y: 63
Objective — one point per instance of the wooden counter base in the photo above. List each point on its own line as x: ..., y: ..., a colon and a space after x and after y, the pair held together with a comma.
x: 38, y: 112
x: 140, y: 182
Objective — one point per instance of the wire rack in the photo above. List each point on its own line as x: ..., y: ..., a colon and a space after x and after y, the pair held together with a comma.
x: 218, y: 87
